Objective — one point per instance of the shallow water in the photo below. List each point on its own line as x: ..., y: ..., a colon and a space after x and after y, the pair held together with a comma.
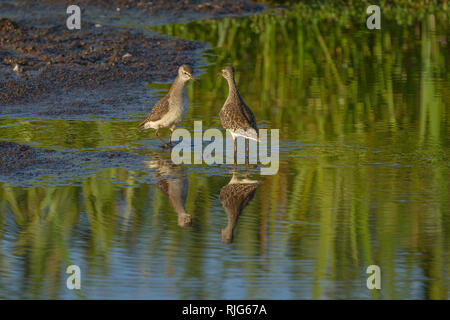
x: 363, y: 178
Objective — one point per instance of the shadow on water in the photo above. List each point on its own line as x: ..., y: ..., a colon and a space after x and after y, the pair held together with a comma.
x: 173, y: 182
x: 235, y: 196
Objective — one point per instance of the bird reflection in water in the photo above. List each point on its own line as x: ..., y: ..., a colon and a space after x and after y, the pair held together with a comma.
x: 235, y: 196
x: 173, y: 182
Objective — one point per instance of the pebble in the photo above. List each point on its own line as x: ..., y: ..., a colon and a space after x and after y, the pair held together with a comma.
x: 17, y: 68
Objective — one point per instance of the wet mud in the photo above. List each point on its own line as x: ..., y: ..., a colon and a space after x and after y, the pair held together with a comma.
x: 42, y: 62
x: 100, y: 71
x: 174, y: 7
x: 23, y: 164
x: 48, y: 65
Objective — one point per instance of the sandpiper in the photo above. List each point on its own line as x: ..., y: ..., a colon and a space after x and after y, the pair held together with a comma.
x: 172, y: 108
x: 235, y: 196
x: 235, y: 115
x: 173, y: 182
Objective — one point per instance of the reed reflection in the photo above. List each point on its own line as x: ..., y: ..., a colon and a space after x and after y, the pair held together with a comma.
x: 235, y: 196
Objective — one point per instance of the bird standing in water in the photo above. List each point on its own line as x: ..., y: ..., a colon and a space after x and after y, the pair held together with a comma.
x: 172, y: 108
x: 235, y: 115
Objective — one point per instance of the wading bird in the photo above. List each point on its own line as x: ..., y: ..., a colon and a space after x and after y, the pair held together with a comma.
x: 235, y: 115
x: 172, y: 108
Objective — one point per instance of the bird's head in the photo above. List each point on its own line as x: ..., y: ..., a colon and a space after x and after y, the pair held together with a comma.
x: 184, y: 220
x: 185, y: 72
x: 227, y: 72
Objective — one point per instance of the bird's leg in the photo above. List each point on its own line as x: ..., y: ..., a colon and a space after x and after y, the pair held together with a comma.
x: 247, y: 142
x: 235, y: 151
x: 165, y: 145
x: 170, y: 137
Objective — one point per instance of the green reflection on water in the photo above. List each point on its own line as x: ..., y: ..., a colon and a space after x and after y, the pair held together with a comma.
x: 364, y: 176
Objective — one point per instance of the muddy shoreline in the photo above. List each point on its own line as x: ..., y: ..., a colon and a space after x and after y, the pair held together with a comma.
x: 37, y: 62
x: 48, y: 70
x: 22, y: 164
x: 172, y: 7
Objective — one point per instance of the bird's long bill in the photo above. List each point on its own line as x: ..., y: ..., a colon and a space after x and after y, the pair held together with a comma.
x: 192, y: 78
x: 219, y: 74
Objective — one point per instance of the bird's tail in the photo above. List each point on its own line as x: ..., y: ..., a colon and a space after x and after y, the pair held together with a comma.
x: 250, y: 133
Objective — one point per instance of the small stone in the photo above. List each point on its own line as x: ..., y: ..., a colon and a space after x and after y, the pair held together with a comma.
x: 17, y: 68
x: 126, y: 55
x: 98, y: 25
x: 113, y: 155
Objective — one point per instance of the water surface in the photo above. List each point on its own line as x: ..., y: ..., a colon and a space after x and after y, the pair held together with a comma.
x: 363, y: 179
